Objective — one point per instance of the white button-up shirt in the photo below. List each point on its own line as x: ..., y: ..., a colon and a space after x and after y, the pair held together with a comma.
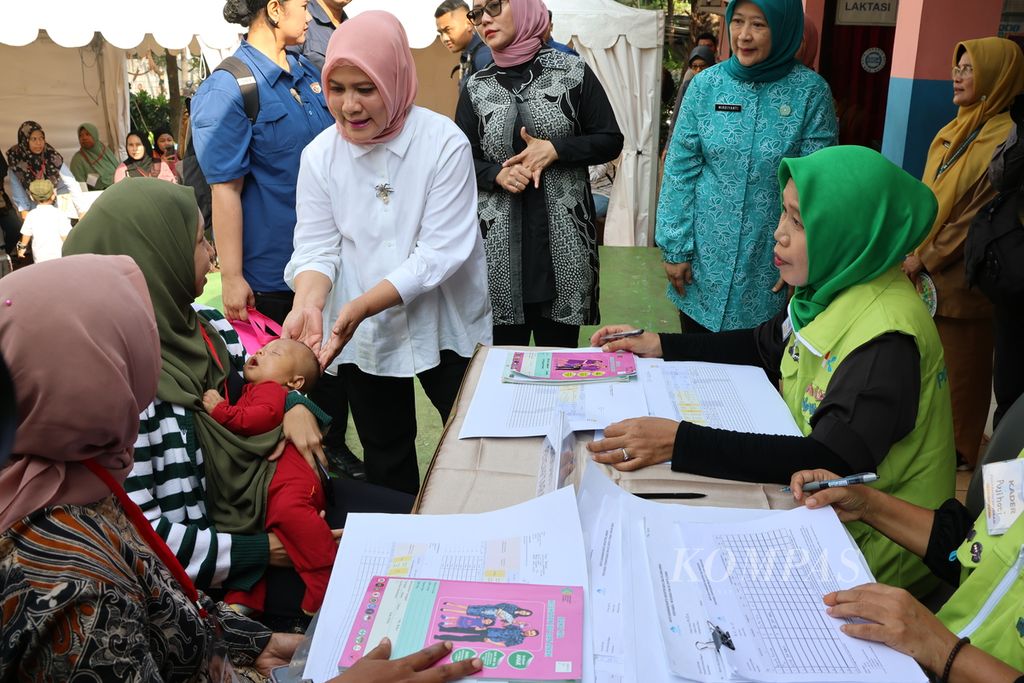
x: 404, y: 211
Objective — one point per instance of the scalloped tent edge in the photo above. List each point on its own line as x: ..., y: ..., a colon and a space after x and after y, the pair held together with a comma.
x: 79, y: 46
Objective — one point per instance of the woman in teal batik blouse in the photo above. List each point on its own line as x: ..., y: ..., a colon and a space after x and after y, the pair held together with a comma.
x: 720, y: 200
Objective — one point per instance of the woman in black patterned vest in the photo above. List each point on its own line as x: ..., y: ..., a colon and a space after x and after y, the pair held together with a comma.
x: 536, y: 119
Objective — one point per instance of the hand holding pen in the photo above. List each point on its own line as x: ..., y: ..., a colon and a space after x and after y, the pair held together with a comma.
x: 852, y: 480
x: 848, y: 500
x: 626, y: 338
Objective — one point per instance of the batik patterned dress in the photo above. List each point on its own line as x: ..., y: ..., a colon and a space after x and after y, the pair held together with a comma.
x: 83, y: 598
x: 720, y: 199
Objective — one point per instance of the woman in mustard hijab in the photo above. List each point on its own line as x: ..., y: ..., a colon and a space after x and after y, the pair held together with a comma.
x: 987, y: 75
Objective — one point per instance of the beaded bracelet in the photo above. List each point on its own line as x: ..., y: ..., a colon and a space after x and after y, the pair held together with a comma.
x: 952, y: 655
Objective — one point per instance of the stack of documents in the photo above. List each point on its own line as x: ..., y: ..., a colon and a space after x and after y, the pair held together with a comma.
x: 734, y: 397
x: 670, y: 592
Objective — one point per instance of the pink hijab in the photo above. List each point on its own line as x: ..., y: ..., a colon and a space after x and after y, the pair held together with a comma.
x: 530, y: 18
x: 375, y: 43
x: 79, y: 336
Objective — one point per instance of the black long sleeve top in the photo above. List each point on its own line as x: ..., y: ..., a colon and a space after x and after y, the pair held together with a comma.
x: 869, y: 405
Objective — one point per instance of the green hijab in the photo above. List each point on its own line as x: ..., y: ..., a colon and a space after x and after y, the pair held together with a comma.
x: 155, y: 222
x: 786, y: 21
x: 99, y: 160
x: 862, y: 215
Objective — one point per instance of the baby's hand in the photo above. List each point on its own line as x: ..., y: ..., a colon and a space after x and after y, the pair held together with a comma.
x: 211, y: 399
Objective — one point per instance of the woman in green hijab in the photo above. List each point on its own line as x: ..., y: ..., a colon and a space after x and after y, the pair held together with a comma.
x: 94, y: 163
x: 200, y: 351
x: 856, y: 353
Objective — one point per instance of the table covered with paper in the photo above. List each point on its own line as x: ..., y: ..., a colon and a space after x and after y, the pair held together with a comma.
x: 672, y: 592
x: 490, y: 454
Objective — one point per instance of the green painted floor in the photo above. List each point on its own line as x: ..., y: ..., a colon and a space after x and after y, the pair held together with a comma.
x: 632, y: 292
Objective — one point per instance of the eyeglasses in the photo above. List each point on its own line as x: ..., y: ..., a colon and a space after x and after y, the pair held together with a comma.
x: 963, y: 71
x: 493, y: 9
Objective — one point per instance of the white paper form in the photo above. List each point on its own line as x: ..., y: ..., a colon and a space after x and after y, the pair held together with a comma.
x: 520, y: 544
x: 626, y: 631
x: 735, y: 397
x: 762, y: 582
x: 499, y: 409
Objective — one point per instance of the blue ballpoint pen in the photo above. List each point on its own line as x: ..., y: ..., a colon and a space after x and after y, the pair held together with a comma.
x: 852, y: 480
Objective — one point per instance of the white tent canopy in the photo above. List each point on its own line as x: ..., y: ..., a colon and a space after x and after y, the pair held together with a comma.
x: 624, y: 48
x: 85, y: 75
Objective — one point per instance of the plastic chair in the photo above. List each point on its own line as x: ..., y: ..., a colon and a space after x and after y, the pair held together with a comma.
x: 1006, y: 444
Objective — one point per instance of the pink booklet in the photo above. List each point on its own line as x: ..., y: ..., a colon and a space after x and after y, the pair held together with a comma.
x: 521, y: 632
x: 566, y: 367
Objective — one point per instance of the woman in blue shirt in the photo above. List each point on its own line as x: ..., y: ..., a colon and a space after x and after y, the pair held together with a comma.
x: 252, y: 168
x: 720, y: 201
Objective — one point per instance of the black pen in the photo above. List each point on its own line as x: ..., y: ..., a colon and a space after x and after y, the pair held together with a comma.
x: 671, y: 495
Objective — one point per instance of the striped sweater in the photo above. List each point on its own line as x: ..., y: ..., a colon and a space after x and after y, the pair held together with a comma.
x: 168, y: 483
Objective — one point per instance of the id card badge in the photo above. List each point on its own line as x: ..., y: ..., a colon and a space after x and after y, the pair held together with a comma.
x: 787, y: 328
x: 1004, y: 486
x: 92, y: 179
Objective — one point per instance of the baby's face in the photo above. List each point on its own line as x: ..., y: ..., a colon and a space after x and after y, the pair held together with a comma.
x: 276, y: 362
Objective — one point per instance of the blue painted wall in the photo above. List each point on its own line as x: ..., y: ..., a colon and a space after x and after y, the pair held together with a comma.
x: 915, y: 112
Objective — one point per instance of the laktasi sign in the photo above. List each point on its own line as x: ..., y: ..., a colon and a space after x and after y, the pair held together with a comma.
x: 865, y: 13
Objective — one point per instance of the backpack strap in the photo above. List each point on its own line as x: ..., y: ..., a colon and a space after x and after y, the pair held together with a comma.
x: 246, y: 83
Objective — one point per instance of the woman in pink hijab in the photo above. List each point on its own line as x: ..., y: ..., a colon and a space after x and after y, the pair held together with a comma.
x: 536, y: 119
x: 388, y: 270
x: 86, y: 587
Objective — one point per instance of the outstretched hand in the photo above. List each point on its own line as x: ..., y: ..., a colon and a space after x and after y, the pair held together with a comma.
x: 376, y: 667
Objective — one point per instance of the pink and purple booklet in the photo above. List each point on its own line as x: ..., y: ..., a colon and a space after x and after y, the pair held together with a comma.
x: 521, y: 632
x: 567, y: 367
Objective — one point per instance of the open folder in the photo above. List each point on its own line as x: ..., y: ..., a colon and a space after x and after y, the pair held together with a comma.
x: 671, y: 592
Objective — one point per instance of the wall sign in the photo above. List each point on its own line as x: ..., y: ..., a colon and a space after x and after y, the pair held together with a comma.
x: 873, y: 60
x: 866, y: 12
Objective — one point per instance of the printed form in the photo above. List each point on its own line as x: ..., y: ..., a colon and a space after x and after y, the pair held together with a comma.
x: 761, y: 584
x: 735, y: 397
x: 518, y: 544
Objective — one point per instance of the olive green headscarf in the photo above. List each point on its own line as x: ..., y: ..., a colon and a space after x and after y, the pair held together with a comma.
x: 862, y: 215
x: 156, y: 222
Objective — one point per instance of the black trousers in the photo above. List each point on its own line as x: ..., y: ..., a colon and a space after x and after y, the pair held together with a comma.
x: 329, y: 392
x: 10, y: 224
x: 284, y: 586
x: 546, y: 332
x: 1008, y: 363
x: 384, y: 413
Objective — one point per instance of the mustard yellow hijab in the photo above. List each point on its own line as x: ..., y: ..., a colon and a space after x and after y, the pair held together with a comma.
x: 998, y: 79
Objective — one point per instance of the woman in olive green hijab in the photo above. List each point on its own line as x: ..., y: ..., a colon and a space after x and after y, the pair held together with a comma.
x: 94, y: 163
x: 158, y: 224
x: 856, y: 354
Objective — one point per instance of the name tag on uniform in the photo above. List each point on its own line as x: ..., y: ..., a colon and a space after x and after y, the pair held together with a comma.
x: 1004, y: 494
x: 732, y: 108
x: 787, y: 328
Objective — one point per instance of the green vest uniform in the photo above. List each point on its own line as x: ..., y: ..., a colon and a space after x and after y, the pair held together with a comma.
x: 921, y: 467
x: 989, y: 605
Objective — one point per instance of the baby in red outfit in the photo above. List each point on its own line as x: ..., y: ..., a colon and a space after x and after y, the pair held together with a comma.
x: 295, y: 497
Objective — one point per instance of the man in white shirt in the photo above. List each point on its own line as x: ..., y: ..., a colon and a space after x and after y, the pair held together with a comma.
x: 45, y: 226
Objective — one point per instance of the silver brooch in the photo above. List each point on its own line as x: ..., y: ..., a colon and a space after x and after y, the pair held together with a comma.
x: 384, y: 191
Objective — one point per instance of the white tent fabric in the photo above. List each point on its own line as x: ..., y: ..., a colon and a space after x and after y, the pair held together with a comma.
x: 62, y: 88
x: 624, y: 48
x: 622, y: 45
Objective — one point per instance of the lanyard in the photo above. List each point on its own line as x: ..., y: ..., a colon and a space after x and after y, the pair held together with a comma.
x: 145, y: 529
x: 959, y: 152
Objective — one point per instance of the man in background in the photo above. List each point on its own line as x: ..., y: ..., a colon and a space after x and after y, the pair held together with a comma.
x: 458, y: 35
x: 327, y: 15
x: 554, y: 44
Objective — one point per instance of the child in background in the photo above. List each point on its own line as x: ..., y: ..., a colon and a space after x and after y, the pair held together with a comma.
x: 45, y: 223
x: 295, y: 497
